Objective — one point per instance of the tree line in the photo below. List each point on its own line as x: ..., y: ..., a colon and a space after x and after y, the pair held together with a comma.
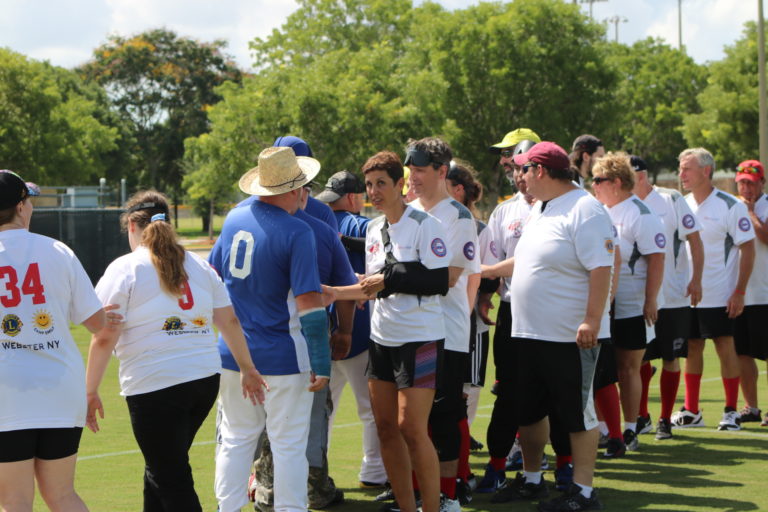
x: 353, y: 77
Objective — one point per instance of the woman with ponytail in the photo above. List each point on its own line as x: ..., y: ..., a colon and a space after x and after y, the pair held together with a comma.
x: 169, y: 361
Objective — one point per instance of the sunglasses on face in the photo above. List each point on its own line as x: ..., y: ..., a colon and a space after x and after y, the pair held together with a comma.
x: 748, y: 170
x: 507, y: 153
x: 599, y: 179
x: 418, y: 158
x: 528, y: 166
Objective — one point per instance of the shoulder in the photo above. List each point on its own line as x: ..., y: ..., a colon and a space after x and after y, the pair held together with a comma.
x: 671, y: 193
x: 462, y: 211
x: 416, y: 215
x: 729, y: 200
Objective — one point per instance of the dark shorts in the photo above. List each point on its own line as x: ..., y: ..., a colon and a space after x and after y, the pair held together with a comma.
x: 750, y: 333
x: 449, y: 399
x: 478, y: 356
x: 556, y: 379
x: 710, y: 323
x: 672, y: 332
x: 39, y: 443
x: 412, y: 365
x: 629, y: 333
x: 504, y: 350
x: 606, y: 372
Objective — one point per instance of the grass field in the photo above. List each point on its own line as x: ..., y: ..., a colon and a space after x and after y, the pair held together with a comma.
x: 698, y: 470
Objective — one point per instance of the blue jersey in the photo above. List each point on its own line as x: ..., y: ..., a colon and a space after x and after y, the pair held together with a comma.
x: 266, y: 257
x: 357, y: 226
x: 332, y: 262
x: 322, y: 211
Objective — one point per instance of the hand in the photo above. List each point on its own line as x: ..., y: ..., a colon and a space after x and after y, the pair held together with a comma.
x: 328, y: 296
x: 317, y: 383
x: 650, y: 311
x: 341, y: 343
x: 94, y: 404
x: 254, y: 385
x: 735, y: 305
x: 484, y: 306
x: 114, y: 320
x: 586, y: 335
x: 372, y: 285
x: 694, y: 292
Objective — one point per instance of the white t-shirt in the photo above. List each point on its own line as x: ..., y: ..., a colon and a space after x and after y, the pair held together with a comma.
x: 557, y: 250
x: 165, y: 340
x: 506, y: 225
x: 459, y: 226
x: 725, y: 225
x: 757, y: 288
x: 487, y: 257
x: 679, y: 222
x: 401, y: 317
x: 43, y: 288
x: 640, y: 233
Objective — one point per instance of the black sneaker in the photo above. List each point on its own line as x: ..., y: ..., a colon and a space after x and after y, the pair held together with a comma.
x: 463, y: 492
x: 476, y: 446
x: 394, y: 507
x: 518, y: 490
x: 615, y: 448
x: 386, y: 494
x: 572, y: 501
x: 630, y: 440
x: 644, y: 425
x: 663, y: 430
x: 749, y: 414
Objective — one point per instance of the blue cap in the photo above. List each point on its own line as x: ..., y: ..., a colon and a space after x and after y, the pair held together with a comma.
x: 299, y: 146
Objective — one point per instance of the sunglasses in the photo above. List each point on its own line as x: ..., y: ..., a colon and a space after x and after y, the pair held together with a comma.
x: 507, y: 153
x: 528, y: 166
x: 599, y: 179
x: 748, y: 170
x: 419, y: 158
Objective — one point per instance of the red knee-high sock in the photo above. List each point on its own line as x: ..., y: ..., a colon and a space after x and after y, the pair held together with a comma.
x: 562, y: 460
x: 646, y: 372
x: 607, y: 399
x: 670, y: 381
x: 731, y: 387
x: 498, y: 463
x: 463, y: 471
x: 692, y: 389
x: 448, y: 487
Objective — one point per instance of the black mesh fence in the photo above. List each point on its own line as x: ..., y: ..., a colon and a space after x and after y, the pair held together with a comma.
x: 93, y: 233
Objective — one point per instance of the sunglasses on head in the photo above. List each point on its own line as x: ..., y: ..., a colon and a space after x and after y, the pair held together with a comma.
x: 419, y: 158
x: 748, y: 170
x: 599, y: 179
x: 527, y: 166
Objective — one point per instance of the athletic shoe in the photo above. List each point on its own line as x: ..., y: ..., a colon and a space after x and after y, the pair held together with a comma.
x: 630, y: 440
x: 394, y: 507
x: 386, y: 494
x: 518, y: 489
x: 602, y: 443
x: 572, y: 501
x: 564, y: 477
x: 449, y: 505
x: 749, y: 414
x: 544, y: 462
x: 644, y: 425
x: 491, y: 481
x: 472, y: 482
x: 615, y: 449
x: 463, y: 492
x: 730, y: 421
x: 372, y: 485
x: 765, y: 421
x: 687, y: 419
x: 663, y: 430
x: 475, y: 445
x: 515, y: 458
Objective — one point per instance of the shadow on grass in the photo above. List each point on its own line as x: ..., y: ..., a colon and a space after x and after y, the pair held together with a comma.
x: 638, y: 500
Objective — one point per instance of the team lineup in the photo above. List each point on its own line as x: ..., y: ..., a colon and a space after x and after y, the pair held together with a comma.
x: 598, y: 272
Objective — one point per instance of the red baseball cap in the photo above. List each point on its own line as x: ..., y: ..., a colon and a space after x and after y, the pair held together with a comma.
x: 751, y: 170
x: 547, y: 154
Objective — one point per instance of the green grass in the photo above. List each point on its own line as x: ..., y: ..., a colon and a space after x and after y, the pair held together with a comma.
x: 193, y: 227
x: 698, y: 470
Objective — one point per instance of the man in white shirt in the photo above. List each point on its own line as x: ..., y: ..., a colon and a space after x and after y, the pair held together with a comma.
x: 429, y: 159
x: 725, y: 228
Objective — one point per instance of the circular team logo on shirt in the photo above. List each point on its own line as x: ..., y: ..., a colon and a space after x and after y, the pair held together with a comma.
x: 469, y: 250
x: 609, y: 245
x: 744, y: 224
x: 661, y: 240
x: 43, y: 322
x: 493, y: 249
x: 12, y: 325
x: 688, y: 221
x: 438, y: 247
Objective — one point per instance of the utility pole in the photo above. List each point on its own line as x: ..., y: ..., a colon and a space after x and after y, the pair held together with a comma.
x: 680, y: 25
x: 590, y: 2
x: 762, y: 124
x: 616, y: 20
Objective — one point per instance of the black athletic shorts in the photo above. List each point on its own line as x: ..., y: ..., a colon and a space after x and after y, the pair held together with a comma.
x: 710, y: 323
x: 449, y: 399
x: 39, y: 443
x: 556, y: 379
x: 478, y: 355
x: 629, y: 333
x: 750, y: 333
x: 417, y: 364
x: 504, y: 350
x: 606, y: 372
x: 673, y: 329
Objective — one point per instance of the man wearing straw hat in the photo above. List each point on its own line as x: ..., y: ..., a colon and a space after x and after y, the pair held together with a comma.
x: 267, y: 259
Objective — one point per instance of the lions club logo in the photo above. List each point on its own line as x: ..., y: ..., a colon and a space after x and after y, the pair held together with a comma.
x: 744, y: 224
x: 469, y: 250
x: 43, y: 322
x: 661, y: 240
x: 438, y: 247
x: 173, y: 323
x: 12, y: 325
x: 688, y: 221
x: 609, y: 245
x: 200, y: 321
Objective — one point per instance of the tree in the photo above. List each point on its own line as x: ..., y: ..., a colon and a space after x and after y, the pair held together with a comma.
x: 162, y: 84
x: 728, y: 122
x: 658, y: 87
x: 54, y: 129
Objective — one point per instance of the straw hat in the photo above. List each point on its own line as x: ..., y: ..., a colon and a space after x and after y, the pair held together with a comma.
x: 279, y: 171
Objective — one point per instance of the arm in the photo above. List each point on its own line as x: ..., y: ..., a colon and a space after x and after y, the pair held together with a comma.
x: 761, y: 228
x: 341, y: 339
x: 616, y: 270
x: 103, y: 343
x: 96, y: 321
x: 314, y: 325
x: 454, y: 273
x: 503, y: 268
x: 696, y: 247
x: 473, y: 284
x: 653, y: 281
x: 251, y: 380
x: 735, y: 304
x: 353, y: 243
x: 599, y: 283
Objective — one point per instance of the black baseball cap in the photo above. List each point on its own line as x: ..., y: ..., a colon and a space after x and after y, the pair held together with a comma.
x: 341, y: 183
x: 637, y: 163
x: 12, y: 189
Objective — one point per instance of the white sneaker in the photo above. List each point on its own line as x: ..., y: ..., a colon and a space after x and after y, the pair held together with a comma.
x: 686, y: 419
x: 731, y: 421
x: 449, y: 505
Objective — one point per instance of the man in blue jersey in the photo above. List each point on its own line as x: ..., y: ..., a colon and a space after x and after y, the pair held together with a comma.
x: 344, y: 194
x: 267, y: 259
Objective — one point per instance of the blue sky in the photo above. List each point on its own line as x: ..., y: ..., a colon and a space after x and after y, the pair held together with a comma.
x: 65, y: 32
